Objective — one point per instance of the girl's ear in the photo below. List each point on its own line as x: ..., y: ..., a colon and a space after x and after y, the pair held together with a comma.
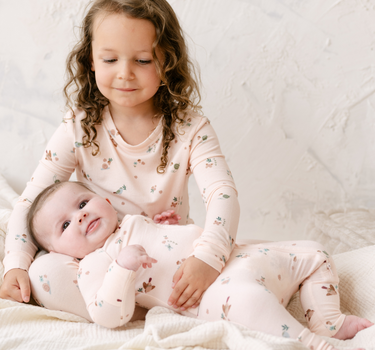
x: 108, y: 201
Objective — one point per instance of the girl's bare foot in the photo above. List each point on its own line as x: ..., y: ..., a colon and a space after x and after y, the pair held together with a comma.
x: 351, y: 326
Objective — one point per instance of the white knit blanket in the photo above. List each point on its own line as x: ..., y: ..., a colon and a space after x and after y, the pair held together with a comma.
x: 31, y: 327
x: 340, y: 231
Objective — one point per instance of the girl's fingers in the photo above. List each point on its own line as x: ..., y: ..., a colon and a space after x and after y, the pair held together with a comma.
x: 177, y: 276
x: 13, y: 294
x: 24, y: 284
x: 197, y: 302
x: 191, y: 301
x: 185, y: 297
x: 176, y: 294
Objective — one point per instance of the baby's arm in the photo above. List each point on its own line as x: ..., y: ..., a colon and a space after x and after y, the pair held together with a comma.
x: 107, y: 286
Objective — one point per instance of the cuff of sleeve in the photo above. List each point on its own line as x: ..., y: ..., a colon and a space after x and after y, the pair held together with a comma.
x: 116, y: 279
x: 214, y: 261
x: 20, y: 260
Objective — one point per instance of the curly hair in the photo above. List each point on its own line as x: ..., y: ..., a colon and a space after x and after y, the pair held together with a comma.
x: 179, y: 90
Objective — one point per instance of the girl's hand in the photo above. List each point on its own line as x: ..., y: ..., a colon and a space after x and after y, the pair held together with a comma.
x: 167, y: 218
x: 16, y: 286
x: 132, y: 257
x: 189, y: 283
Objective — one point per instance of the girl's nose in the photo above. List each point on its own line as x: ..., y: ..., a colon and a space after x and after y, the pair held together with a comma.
x: 126, y: 71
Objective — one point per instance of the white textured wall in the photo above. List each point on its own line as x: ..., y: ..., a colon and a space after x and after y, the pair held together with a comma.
x: 288, y: 85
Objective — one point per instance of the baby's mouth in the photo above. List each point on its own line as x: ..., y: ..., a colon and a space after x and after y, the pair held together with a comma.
x: 92, y: 226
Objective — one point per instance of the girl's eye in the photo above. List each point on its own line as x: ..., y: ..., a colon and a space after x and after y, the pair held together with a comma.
x: 110, y: 61
x: 144, y: 61
x: 65, y: 225
x: 83, y: 204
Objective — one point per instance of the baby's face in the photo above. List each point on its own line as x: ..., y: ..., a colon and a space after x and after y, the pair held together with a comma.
x: 75, y: 221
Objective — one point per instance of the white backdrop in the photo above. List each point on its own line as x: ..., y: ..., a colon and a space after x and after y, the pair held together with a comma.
x: 288, y: 85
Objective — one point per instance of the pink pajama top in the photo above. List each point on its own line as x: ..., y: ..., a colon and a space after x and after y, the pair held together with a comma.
x: 127, y: 176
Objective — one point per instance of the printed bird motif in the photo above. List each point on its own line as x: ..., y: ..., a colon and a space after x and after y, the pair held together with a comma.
x: 120, y: 190
x: 226, y: 307
x: 331, y: 290
x: 148, y: 287
x: 48, y: 155
x: 285, y: 334
x: 309, y: 314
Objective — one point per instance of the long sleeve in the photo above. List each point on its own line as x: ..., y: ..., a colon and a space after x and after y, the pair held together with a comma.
x: 57, y: 164
x: 219, y: 194
x: 107, y: 288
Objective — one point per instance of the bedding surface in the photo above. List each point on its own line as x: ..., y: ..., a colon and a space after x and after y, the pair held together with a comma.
x: 343, y: 230
x: 31, y: 327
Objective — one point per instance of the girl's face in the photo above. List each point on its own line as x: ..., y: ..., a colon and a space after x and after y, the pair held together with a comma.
x: 123, y: 64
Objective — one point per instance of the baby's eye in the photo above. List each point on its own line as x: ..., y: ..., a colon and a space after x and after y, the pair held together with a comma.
x: 110, y: 61
x: 143, y: 62
x: 83, y: 204
x: 65, y: 225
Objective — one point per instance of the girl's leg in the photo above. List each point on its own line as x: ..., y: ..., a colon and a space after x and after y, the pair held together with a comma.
x: 319, y: 296
x: 254, y: 288
x: 53, y: 279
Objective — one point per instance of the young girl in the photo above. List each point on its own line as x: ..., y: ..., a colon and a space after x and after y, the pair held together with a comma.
x: 134, y: 134
x: 252, y: 290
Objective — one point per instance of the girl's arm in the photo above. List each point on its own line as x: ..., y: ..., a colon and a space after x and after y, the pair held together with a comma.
x: 57, y: 164
x: 214, y: 246
x: 108, y: 286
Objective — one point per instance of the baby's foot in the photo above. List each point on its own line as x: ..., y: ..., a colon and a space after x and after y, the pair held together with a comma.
x: 351, y: 326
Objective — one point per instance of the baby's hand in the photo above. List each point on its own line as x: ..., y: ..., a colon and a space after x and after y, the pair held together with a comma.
x: 132, y: 257
x: 167, y: 218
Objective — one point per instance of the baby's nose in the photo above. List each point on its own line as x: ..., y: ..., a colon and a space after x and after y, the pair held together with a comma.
x: 81, y: 217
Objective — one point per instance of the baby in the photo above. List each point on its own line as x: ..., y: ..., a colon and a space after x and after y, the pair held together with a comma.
x: 252, y: 290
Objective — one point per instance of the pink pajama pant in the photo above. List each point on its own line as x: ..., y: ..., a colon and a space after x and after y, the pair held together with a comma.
x: 253, y: 289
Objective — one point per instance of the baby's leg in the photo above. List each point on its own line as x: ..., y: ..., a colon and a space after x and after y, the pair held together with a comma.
x: 54, y: 285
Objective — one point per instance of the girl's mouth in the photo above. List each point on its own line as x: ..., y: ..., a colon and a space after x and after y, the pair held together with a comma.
x: 125, y: 90
x: 92, y: 226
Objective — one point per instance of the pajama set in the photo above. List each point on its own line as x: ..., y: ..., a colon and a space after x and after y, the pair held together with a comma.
x: 127, y: 176
x: 253, y: 289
